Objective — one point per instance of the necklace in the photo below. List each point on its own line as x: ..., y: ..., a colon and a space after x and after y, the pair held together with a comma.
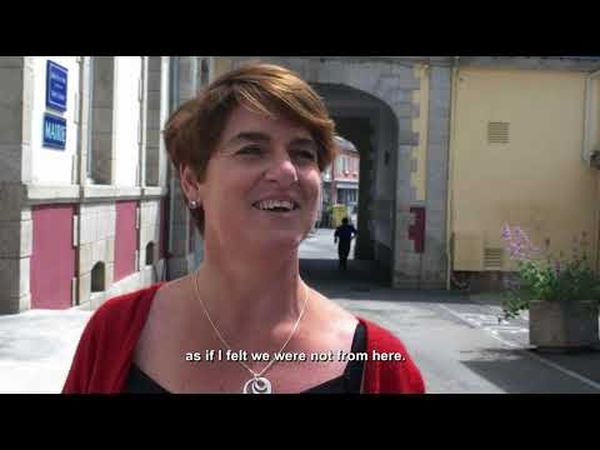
x: 258, y: 384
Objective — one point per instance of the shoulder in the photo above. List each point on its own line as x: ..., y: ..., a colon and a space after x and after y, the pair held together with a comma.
x: 330, y: 316
x: 125, y: 308
x: 106, y: 344
x: 385, y: 374
x: 381, y: 339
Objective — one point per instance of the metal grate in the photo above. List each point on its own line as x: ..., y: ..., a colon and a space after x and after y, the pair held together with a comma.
x: 498, y: 133
x: 492, y: 258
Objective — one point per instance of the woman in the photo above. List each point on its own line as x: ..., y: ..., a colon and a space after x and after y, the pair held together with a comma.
x: 250, y: 150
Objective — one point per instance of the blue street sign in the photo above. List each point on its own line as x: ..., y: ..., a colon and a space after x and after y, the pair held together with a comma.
x: 55, y: 132
x: 56, y: 86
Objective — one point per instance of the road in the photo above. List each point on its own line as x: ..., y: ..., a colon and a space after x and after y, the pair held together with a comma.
x: 320, y: 245
x: 458, y: 340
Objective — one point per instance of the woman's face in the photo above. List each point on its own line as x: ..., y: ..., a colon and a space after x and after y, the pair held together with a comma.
x: 262, y: 182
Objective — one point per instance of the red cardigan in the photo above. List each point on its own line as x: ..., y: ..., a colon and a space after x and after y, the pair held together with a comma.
x: 105, y: 351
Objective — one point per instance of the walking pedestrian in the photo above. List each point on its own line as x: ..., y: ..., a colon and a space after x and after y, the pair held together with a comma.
x: 344, y: 234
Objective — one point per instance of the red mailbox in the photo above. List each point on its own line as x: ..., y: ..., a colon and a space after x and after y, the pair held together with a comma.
x: 416, y: 230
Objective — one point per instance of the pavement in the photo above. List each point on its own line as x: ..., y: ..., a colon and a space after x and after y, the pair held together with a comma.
x: 457, y: 339
x: 36, y: 349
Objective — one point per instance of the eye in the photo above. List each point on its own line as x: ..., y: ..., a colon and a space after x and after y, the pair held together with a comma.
x: 250, y: 150
x: 308, y: 155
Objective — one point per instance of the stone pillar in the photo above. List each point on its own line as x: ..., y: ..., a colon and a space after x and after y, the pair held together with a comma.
x: 407, y: 265
x: 102, y: 150
x: 163, y: 114
x: 435, y: 258
x: 180, y: 264
x: 153, y: 123
x: 428, y: 269
x: 16, y: 95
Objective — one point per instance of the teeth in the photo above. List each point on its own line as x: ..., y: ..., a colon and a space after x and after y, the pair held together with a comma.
x: 272, y: 204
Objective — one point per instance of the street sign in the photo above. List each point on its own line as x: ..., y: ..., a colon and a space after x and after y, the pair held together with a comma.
x: 56, y: 86
x: 55, y: 132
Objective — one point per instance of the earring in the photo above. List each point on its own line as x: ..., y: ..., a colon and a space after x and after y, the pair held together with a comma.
x: 193, y: 204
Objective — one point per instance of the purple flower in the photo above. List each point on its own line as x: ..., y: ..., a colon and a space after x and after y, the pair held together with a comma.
x: 506, y: 234
x: 521, y: 234
x: 519, y: 245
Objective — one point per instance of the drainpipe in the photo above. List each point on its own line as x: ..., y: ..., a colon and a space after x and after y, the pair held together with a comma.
x: 451, y: 145
x: 141, y: 165
x: 143, y: 99
x: 586, y: 155
x: 85, y: 89
x: 173, y: 102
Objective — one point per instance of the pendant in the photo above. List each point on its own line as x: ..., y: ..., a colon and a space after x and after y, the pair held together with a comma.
x: 257, y: 385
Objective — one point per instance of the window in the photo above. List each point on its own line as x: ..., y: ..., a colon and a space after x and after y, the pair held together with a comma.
x: 150, y: 254
x: 98, y: 277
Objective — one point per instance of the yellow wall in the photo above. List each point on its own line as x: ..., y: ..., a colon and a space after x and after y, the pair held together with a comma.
x: 222, y: 65
x: 538, y: 180
x: 420, y: 99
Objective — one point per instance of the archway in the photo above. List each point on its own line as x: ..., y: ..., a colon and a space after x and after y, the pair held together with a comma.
x: 371, y: 126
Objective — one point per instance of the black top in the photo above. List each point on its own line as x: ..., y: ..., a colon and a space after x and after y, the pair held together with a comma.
x: 140, y: 383
x: 344, y: 233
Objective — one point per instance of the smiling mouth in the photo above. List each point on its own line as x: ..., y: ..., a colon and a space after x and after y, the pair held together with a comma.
x: 276, y: 206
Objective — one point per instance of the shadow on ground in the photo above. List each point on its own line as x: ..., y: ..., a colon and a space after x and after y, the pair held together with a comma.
x: 365, y: 280
x: 515, y: 371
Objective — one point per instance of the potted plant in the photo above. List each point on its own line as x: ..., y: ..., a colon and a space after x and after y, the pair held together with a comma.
x: 561, y: 296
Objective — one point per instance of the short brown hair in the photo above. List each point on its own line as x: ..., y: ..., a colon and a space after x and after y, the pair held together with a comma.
x: 193, y: 130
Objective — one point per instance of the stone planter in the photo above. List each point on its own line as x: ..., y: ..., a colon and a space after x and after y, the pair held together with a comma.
x: 566, y: 325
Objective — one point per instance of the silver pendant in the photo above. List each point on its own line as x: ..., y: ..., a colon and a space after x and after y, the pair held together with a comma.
x: 257, y: 385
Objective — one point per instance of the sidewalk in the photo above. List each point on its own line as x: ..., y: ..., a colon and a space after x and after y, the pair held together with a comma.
x: 36, y: 349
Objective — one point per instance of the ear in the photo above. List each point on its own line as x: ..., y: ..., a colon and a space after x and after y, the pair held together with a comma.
x: 189, y: 183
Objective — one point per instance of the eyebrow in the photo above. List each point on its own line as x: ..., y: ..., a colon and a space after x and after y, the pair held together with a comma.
x: 249, y: 136
x: 257, y: 136
x: 304, y: 141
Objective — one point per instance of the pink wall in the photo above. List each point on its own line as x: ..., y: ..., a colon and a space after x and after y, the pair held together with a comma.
x: 53, y: 257
x: 125, y: 239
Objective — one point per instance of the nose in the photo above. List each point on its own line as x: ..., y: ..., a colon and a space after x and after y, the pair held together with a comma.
x: 283, y: 171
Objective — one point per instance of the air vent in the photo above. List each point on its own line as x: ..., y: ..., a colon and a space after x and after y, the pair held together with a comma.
x: 497, y: 133
x: 492, y: 258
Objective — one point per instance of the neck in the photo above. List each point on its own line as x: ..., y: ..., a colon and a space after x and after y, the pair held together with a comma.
x: 256, y: 292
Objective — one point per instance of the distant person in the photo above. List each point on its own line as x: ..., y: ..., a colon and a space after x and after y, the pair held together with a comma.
x: 344, y: 233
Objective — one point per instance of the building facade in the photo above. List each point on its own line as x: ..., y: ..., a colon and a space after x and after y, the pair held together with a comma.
x: 521, y: 144
x: 88, y: 205
x: 451, y: 149
x: 340, y: 180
